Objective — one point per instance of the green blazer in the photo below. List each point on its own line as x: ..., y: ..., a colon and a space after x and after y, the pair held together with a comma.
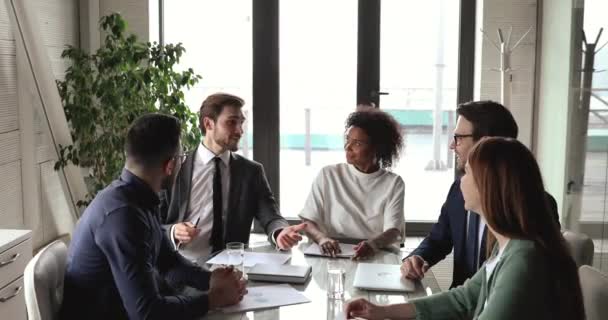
x: 517, y: 289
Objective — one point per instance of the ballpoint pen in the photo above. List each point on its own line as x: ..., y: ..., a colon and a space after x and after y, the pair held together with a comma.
x: 179, y: 244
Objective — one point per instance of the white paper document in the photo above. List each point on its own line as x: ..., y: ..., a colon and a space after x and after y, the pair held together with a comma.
x: 264, y: 297
x: 348, y: 250
x: 252, y: 258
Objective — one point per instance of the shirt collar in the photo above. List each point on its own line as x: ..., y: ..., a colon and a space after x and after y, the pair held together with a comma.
x: 143, y: 192
x: 205, y: 155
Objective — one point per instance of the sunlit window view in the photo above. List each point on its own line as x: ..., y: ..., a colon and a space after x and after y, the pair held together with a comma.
x: 595, y: 191
x: 418, y: 71
x: 318, y: 90
x: 217, y: 37
x: 318, y: 83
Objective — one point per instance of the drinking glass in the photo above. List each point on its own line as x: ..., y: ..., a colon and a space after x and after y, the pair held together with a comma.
x: 336, y: 274
x: 236, y: 255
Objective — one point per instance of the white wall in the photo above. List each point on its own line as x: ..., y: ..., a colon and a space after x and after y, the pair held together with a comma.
x: 30, y: 188
x: 521, y: 15
x: 11, y: 211
x: 557, y: 72
x: 59, y: 23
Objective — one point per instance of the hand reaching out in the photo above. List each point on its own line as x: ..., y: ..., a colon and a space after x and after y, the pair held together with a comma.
x: 290, y: 236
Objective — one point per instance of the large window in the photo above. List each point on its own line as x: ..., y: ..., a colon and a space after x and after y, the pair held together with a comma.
x: 318, y: 90
x: 594, y: 212
x: 217, y: 37
x: 419, y: 73
x: 330, y: 54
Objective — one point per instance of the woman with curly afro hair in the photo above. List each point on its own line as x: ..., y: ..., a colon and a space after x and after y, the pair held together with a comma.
x: 360, y: 199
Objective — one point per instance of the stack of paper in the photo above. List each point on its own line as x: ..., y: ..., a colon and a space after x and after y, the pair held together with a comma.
x: 252, y: 258
x: 264, y: 297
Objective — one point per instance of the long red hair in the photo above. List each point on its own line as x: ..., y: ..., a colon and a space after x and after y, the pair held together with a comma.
x: 514, y: 204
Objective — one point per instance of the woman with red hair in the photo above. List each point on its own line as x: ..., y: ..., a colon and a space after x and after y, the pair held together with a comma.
x: 529, y: 273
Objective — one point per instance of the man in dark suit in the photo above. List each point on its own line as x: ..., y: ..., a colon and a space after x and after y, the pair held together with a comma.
x: 218, y: 193
x: 457, y: 229
x: 120, y: 263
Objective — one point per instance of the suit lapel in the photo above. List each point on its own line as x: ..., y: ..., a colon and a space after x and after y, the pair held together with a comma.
x: 235, y: 181
x: 460, y: 223
x: 185, y: 184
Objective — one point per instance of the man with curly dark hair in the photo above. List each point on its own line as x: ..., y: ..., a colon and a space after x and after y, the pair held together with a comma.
x: 360, y: 199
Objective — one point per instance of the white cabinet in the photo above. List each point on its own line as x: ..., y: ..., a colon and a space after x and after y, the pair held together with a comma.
x: 15, y: 253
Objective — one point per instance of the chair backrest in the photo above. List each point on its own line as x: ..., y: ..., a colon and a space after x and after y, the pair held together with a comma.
x: 581, y: 247
x: 43, y: 282
x: 595, y: 292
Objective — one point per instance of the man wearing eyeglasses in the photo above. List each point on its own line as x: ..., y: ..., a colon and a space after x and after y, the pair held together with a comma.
x: 458, y: 229
x: 218, y: 192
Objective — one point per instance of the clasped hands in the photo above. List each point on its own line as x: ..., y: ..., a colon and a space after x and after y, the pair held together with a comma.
x: 226, y: 287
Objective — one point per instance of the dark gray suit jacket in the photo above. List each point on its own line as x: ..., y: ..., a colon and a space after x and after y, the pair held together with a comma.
x: 249, y: 197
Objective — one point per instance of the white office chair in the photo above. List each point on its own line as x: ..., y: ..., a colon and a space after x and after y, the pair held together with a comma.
x: 43, y: 282
x: 581, y: 247
x: 595, y: 292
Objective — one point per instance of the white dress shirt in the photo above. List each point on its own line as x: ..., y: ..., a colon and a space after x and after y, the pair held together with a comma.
x: 200, y: 206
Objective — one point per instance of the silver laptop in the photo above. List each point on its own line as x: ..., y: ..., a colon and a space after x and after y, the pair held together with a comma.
x: 283, y: 273
x: 381, y: 277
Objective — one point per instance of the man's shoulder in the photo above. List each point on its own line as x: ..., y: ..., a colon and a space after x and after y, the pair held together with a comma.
x: 453, y: 208
x: 115, y: 199
x: 454, y: 191
x: 114, y: 196
x: 245, y: 163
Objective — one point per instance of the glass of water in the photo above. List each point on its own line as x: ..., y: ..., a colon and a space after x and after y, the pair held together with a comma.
x: 336, y: 274
x: 236, y: 255
x: 335, y: 309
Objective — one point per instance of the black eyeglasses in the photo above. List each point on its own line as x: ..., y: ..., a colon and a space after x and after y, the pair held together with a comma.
x: 460, y: 136
x: 181, y: 157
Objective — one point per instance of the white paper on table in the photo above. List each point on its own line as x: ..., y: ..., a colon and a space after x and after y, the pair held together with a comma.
x: 348, y: 250
x: 251, y: 258
x: 264, y: 297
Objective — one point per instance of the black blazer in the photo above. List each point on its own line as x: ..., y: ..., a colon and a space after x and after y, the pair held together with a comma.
x: 249, y: 197
x: 450, y: 233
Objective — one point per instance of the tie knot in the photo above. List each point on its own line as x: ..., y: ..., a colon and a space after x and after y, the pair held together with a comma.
x: 217, y: 160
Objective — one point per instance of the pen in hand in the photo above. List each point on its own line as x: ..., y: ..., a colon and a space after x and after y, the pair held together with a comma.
x: 191, y: 234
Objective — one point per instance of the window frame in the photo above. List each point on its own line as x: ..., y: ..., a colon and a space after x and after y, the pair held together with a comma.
x: 266, y: 78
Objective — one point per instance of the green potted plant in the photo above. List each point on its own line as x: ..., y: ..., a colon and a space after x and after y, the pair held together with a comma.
x: 105, y: 91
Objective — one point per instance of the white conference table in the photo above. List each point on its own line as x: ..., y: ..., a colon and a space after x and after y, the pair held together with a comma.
x: 314, y: 289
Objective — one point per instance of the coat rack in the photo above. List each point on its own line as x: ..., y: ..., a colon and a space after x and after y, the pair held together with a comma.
x: 505, y: 69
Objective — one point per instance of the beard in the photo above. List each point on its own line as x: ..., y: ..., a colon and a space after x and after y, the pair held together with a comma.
x: 168, y: 181
x: 229, y: 144
x: 459, y: 165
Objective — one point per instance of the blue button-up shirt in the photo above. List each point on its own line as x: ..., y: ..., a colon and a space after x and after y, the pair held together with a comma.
x: 119, y: 258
